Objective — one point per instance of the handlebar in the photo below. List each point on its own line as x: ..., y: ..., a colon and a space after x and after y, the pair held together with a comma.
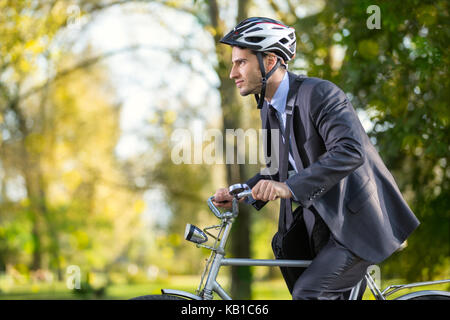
x: 213, y: 208
x: 244, y: 194
x: 238, y: 191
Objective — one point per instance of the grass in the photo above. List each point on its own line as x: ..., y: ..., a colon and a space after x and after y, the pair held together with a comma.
x: 59, y: 290
x: 262, y: 290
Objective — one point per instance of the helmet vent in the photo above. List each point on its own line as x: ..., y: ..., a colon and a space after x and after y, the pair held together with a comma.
x: 255, y: 29
x: 254, y: 39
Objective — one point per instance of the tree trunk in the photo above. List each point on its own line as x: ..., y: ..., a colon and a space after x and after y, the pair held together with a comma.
x: 241, y: 277
x: 35, y: 186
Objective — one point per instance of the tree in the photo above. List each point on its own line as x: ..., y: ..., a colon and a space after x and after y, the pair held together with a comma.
x: 51, y: 143
x: 208, y: 15
x: 232, y: 110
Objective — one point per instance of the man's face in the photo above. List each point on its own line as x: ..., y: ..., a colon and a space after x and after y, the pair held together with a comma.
x: 245, y: 71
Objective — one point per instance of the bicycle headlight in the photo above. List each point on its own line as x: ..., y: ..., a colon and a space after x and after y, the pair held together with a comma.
x: 194, y: 234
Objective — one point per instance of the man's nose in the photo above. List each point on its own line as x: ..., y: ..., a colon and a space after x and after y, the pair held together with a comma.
x: 233, y: 73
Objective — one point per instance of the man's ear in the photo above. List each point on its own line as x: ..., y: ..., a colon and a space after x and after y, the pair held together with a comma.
x: 271, y: 60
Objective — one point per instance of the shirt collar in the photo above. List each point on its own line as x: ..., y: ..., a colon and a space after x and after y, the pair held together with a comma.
x: 279, y: 98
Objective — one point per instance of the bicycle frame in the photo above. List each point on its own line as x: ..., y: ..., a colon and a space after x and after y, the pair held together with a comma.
x: 217, y: 260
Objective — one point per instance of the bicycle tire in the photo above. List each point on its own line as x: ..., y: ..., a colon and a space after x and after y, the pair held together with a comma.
x: 426, y: 295
x: 159, y: 297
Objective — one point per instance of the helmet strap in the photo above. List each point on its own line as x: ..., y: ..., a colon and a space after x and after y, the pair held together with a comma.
x: 260, y: 97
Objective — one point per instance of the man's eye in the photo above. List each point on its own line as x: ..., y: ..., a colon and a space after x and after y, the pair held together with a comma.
x: 240, y: 63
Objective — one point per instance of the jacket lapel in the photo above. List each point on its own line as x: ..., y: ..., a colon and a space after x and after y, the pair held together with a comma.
x: 294, y: 145
x: 295, y: 119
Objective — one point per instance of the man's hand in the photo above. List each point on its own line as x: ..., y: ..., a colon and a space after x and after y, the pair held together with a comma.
x: 269, y: 190
x: 223, y: 199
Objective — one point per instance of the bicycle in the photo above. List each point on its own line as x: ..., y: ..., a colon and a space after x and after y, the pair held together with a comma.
x: 216, y: 260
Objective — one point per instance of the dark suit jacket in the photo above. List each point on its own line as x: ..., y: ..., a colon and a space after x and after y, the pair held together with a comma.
x: 344, y: 179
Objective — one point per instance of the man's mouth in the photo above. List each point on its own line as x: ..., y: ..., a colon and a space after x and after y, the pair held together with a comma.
x: 239, y: 82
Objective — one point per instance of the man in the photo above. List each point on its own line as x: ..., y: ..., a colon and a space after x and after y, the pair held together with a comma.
x: 350, y: 207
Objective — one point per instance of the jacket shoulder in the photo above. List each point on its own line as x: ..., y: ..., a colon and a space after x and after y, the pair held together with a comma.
x: 319, y: 85
x: 313, y: 86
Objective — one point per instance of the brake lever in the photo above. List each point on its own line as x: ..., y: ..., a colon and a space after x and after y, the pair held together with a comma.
x: 225, y: 201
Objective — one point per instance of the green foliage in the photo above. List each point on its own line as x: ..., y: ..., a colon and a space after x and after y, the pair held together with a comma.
x: 74, y: 204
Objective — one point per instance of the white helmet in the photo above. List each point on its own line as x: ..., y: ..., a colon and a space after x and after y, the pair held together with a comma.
x: 263, y: 35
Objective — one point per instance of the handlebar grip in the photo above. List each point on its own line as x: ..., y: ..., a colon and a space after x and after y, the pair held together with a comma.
x: 213, y: 208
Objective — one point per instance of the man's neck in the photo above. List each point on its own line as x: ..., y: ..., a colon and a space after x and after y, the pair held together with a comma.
x: 273, y: 83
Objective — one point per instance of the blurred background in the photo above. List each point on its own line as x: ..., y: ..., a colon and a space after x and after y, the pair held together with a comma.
x: 91, y: 93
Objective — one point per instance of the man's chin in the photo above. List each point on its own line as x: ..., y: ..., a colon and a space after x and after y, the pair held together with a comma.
x: 244, y: 92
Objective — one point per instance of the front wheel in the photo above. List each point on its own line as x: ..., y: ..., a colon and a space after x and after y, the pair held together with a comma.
x: 159, y: 297
x: 426, y: 295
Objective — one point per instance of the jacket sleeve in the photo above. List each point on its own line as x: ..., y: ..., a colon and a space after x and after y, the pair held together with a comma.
x: 339, y: 127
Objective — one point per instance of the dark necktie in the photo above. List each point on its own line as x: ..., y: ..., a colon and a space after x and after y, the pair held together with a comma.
x: 285, y: 219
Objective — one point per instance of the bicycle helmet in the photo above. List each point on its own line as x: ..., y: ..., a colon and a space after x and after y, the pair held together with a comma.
x: 263, y: 35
